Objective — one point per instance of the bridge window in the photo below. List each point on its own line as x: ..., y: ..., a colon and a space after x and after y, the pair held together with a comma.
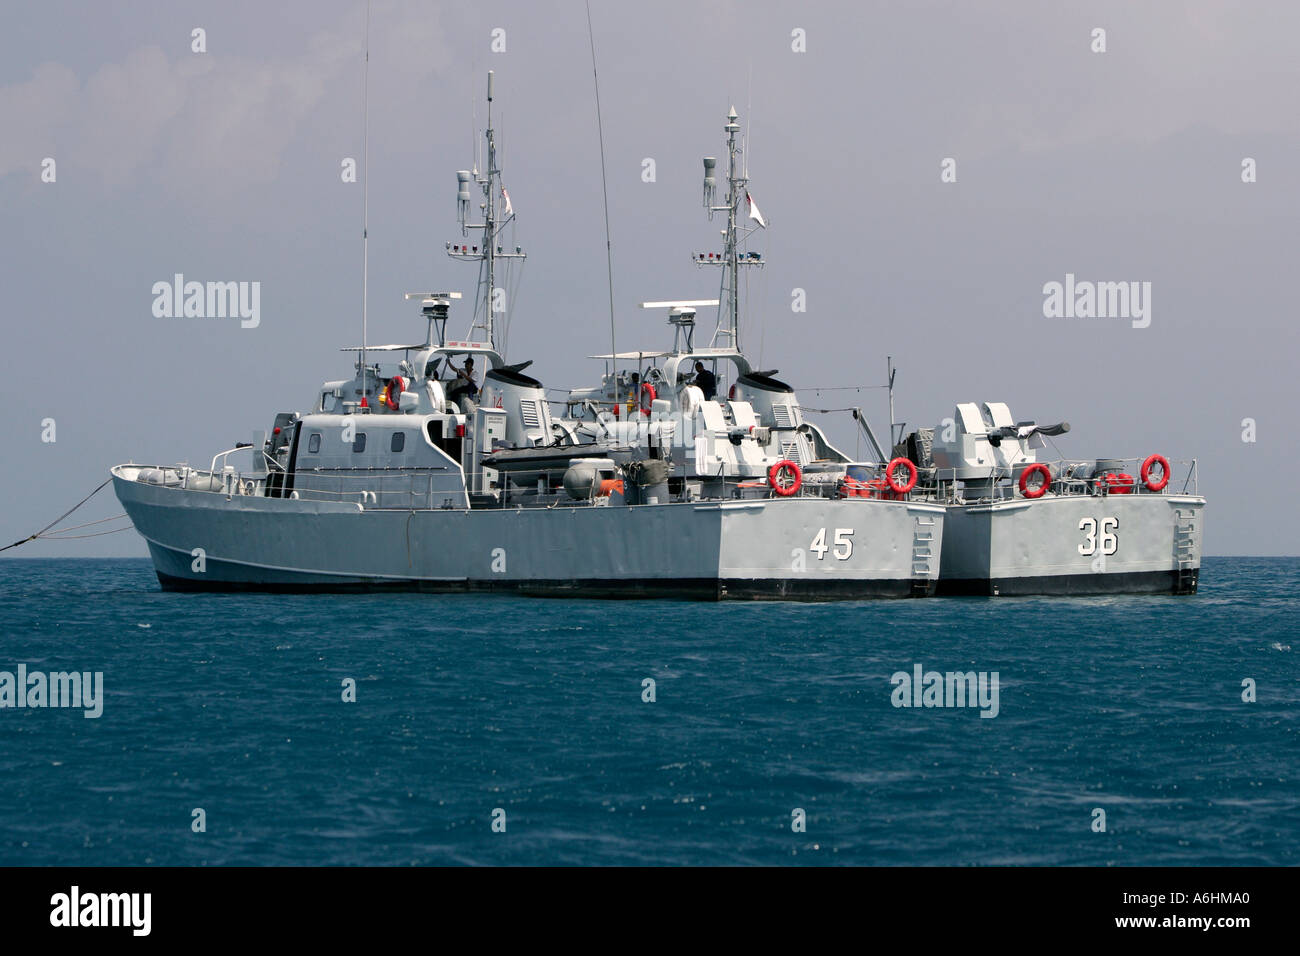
x: 313, y: 443
x: 359, y: 443
x: 398, y: 442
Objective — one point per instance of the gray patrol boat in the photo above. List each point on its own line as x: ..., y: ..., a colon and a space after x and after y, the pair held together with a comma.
x: 1018, y: 523
x: 407, y: 475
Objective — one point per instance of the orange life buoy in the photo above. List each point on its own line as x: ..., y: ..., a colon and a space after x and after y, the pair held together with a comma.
x: 1036, y: 468
x: 784, y: 477
x: 911, y: 476
x: 647, y: 397
x: 390, y: 396
x: 1164, y: 474
x: 1117, y: 483
x: 877, y: 488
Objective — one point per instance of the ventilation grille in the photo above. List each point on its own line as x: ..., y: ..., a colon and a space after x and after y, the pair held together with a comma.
x: 528, y: 408
x: 781, y: 415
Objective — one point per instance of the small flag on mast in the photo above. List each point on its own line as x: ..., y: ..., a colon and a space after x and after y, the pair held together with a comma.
x: 753, y: 211
x: 510, y: 210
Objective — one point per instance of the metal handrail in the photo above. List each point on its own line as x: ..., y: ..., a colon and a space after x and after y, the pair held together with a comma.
x: 244, y: 447
x: 415, y: 485
x: 1087, y: 485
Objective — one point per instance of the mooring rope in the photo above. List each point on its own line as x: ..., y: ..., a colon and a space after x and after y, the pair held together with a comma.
x: 61, y: 517
x: 78, y: 527
x: 74, y: 537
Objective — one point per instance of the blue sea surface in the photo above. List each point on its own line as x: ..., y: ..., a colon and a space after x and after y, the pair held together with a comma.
x: 465, y: 704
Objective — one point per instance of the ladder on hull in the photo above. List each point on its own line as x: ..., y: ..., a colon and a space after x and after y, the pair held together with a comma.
x: 1187, y: 564
x: 922, y: 556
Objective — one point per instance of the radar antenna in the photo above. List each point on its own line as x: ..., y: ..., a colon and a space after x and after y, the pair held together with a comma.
x: 435, y: 307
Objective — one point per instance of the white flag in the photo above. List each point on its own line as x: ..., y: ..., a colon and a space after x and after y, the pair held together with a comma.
x: 510, y: 210
x: 753, y: 211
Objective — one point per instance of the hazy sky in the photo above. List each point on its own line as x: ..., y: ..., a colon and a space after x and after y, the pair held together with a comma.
x: 225, y: 166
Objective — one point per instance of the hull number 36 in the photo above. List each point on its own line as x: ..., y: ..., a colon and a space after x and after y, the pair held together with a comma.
x: 1099, y: 537
x: 841, y: 547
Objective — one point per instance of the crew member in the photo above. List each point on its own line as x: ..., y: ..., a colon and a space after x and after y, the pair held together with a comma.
x: 465, y: 383
x: 707, y: 381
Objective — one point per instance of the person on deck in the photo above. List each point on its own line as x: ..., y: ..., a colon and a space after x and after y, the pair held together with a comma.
x: 707, y: 381
x: 465, y: 384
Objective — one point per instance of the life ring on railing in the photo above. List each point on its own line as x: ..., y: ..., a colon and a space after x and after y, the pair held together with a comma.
x: 648, y: 396
x: 785, y: 478
x: 393, y: 390
x: 911, y: 476
x: 1164, y: 473
x: 1038, y: 492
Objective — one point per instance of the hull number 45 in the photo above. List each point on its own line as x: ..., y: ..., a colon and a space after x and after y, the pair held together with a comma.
x: 841, y: 547
x: 1103, y: 535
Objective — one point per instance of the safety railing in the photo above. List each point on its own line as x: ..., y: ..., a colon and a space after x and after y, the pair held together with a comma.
x: 1067, y: 477
x: 433, y: 489
x: 396, y: 489
x: 405, y: 489
x: 224, y: 457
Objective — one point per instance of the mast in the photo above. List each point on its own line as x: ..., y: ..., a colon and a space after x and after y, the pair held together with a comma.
x: 488, y: 251
x: 365, y: 213
x: 733, y: 197
x: 490, y: 218
x: 728, y: 328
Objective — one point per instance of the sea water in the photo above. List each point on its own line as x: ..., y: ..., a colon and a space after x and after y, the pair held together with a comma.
x: 503, y: 730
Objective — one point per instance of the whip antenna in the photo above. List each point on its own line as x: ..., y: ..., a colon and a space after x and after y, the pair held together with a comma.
x: 609, y: 248
x: 365, y: 206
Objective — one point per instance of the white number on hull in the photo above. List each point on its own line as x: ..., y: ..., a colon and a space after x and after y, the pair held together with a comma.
x: 843, y: 544
x: 1108, y: 538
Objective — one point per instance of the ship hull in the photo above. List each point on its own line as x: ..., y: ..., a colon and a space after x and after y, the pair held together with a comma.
x: 1074, y: 545
x: 764, y: 549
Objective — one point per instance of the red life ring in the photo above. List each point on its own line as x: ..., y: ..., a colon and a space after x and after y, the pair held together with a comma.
x: 911, y: 477
x: 731, y: 394
x: 390, y: 397
x: 1146, y: 472
x: 647, y: 397
x: 785, y: 478
x: 1042, y: 488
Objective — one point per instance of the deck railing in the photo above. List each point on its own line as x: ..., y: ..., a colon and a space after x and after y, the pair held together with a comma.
x: 424, y: 489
